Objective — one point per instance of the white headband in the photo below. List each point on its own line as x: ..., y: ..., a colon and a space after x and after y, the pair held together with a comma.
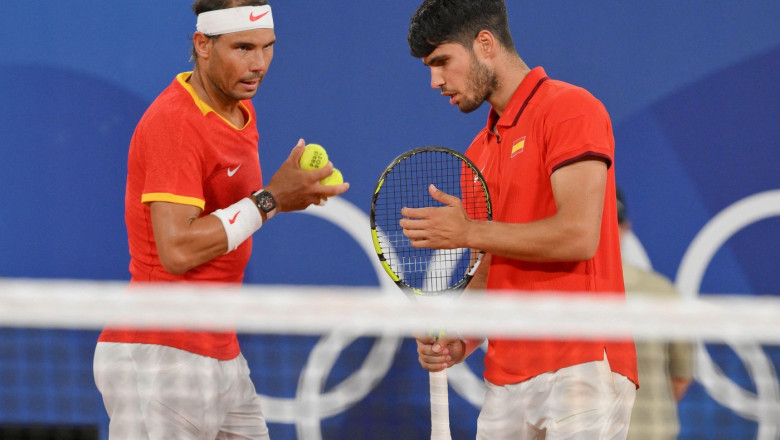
x: 244, y: 18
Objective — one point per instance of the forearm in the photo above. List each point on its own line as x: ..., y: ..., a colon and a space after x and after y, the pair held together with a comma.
x: 555, y: 238
x: 182, y: 248
x: 571, y: 233
x: 470, y: 345
x: 185, y: 239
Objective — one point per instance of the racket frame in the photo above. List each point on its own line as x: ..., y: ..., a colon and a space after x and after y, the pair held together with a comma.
x: 408, y: 289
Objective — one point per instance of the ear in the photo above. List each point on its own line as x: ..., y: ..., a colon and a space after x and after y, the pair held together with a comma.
x: 202, y: 45
x: 485, y: 44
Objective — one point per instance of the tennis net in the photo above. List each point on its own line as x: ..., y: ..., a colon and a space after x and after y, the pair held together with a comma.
x: 338, y: 363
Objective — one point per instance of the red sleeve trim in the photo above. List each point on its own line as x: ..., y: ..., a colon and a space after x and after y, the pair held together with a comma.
x: 588, y: 155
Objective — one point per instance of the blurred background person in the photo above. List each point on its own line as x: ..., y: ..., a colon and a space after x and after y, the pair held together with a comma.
x: 665, y: 368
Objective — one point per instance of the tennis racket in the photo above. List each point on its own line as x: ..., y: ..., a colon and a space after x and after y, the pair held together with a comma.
x: 423, y: 272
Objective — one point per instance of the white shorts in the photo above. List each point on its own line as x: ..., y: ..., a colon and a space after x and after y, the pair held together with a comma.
x: 584, y: 402
x: 157, y: 392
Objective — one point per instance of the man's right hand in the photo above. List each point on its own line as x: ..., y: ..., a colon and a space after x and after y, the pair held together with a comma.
x: 295, y: 189
x: 437, y: 354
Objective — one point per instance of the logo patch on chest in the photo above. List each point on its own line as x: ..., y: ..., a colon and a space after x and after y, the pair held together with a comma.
x: 233, y: 171
x: 518, y: 146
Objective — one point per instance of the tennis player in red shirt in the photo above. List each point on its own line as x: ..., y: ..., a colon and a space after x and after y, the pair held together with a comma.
x: 547, y: 155
x: 194, y: 198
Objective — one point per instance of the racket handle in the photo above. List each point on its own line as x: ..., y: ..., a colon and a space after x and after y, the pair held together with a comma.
x: 440, y: 411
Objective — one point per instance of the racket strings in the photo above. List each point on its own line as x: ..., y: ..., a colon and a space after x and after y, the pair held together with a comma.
x: 406, y: 185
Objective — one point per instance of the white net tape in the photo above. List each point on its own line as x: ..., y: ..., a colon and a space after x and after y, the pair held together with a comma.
x: 373, y: 311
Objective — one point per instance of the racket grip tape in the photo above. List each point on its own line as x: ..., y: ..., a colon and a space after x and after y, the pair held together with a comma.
x: 440, y: 412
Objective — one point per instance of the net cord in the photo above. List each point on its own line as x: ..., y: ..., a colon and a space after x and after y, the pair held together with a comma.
x: 374, y: 311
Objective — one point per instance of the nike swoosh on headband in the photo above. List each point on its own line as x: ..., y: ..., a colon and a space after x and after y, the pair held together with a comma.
x: 253, y: 18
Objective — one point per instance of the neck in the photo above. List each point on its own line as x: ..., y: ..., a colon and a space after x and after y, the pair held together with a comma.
x: 223, y: 104
x: 510, y: 74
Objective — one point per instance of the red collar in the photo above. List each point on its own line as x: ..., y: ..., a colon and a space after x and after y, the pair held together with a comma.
x: 519, y: 100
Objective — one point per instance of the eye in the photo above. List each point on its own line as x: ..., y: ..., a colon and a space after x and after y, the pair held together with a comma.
x: 244, y: 47
x: 440, y: 62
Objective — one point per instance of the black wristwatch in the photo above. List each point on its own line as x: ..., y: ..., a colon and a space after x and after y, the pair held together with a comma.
x: 265, y: 201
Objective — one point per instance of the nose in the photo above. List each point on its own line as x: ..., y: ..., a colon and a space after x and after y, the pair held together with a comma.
x: 260, y: 61
x: 437, y: 81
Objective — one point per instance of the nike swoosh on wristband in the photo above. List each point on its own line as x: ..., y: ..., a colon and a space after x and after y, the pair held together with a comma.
x: 253, y: 18
x: 233, y: 220
x: 231, y: 172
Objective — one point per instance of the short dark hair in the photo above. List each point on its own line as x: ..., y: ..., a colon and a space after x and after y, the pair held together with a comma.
x: 457, y: 21
x: 201, y: 6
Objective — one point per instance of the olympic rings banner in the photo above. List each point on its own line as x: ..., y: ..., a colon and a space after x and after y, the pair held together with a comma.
x: 691, y: 88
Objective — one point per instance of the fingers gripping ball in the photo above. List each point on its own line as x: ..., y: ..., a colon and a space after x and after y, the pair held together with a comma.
x: 334, y: 179
x: 313, y: 157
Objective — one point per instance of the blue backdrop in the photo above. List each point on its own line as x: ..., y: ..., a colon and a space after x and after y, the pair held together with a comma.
x: 691, y: 87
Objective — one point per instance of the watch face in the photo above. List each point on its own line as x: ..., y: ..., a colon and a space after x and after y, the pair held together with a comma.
x: 265, y: 201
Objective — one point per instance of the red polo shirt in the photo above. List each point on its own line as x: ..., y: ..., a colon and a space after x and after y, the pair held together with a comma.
x: 547, y: 125
x: 184, y: 152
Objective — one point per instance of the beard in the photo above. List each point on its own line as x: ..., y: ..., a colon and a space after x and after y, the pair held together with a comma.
x: 481, y: 83
x: 241, y: 96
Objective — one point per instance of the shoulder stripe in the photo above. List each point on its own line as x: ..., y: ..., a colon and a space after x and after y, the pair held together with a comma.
x: 173, y: 198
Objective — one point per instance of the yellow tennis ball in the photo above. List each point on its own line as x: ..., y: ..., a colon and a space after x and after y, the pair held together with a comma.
x: 313, y: 157
x: 335, y: 178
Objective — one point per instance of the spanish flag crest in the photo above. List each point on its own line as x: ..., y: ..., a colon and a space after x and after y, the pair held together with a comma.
x: 518, y: 146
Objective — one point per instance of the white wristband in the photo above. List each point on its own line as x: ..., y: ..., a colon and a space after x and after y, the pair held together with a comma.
x: 240, y: 221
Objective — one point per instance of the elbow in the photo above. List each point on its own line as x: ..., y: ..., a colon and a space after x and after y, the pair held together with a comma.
x: 583, y: 244
x: 587, y: 250
x: 175, y: 270
x: 174, y: 263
